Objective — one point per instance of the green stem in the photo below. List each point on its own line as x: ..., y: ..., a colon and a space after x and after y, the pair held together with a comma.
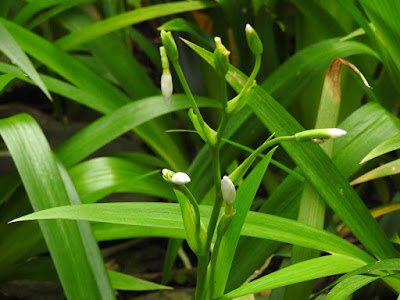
x: 190, y: 197
x: 218, y: 201
x: 257, y: 65
x: 188, y: 92
x: 212, y: 266
x: 202, y: 264
x: 245, y: 165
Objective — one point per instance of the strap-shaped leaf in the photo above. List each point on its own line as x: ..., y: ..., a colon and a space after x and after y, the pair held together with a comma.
x: 72, y: 245
x: 10, y: 47
x: 43, y: 269
x: 227, y: 247
x: 119, y: 21
x: 118, y: 122
x: 165, y: 220
x: 304, y: 271
x: 389, y: 145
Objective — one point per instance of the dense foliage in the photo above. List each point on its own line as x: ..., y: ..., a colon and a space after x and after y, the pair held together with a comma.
x: 314, y: 206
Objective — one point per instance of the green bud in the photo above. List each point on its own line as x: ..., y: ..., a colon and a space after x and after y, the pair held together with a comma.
x: 170, y: 46
x: 196, y: 233
x: 221, y: 58
x: 240, y: 100
x: 318, y: 135
x: 224, y: 223
x: 164, y: 59
x: 253, y: 40
x: 206, y: 133
x: 178, y: 178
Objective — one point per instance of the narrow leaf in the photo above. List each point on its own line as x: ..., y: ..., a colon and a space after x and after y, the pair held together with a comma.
x: 118, y: 122
x: 348, y: 286
x: 388, y: 169
x: 165, y: 220
x: 6, y: 79
x: 11, y: 48
x: 318, y: 267
x: 119, y: 21
x: 227, y: 248
x: 72, y: 245
x: 389, y: 145
x: 126, y: 282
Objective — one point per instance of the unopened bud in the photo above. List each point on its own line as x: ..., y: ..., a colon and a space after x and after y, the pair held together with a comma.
x: 166, y: 86
x: 228, y: 191
x: 166, y: 78
x: 180, y: 178
x: 170, y: 46
x: 319, y: 134
x: 221, y: 57
x: 253, y: 40
x: 207, y: 134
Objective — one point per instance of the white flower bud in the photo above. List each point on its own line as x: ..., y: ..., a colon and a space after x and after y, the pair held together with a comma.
x: 166, y: 86
x: 337, y: 132
x: 319, y: 134
x: 228, y: 191
x: 180, y: 178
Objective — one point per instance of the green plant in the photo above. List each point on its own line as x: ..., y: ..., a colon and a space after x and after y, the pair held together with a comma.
x: 130, y: 100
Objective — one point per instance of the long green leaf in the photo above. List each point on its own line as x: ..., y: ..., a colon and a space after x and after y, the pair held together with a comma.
x: 72, y: 245
x: 122, y: 65
x: 383, y: 16
x: 12, y: 49
x: 229, y: 241
x: 391, y: 168
x: 304, y: 271
x: 99, y: 177
x: 43, y: 269
x: 114, y: 23
x: 67, y: 67
x: 345, y: 286
x: 316, y: 166
x: 120, y: 121
x: 6, y: 79
x: 55, y: 11
x: 165, y: 220
x: 389, y: 145
x: 122, y: 281
x: 34, y: 7
x: 348, y: 286
x: 62, y: 88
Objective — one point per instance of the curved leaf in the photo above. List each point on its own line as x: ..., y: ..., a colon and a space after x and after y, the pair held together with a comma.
x: 165, y: 219
x: 48, y: 185
x: 391, y: 168
x: 107, y: 128
x: 96, y: 178
x: 13, y: 50
x: 304, y: 271
x: 119, y: 21
x: 6, y: 79
x: 229, y: 241
x: 126, y: 282
x: 348, y: 286
x: 389, y: 145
